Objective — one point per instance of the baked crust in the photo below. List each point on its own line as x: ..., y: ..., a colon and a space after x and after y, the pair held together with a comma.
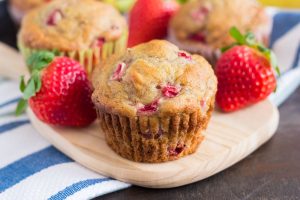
x: 177, y: 121
x: 149, y: 65
x: 82, y: 23
x: 217, y: 17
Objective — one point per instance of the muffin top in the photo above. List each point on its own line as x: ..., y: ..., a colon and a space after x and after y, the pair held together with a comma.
x: 154, y: 78
x: 71, y: 25
x: 26, y: 5
x: 209, y: 21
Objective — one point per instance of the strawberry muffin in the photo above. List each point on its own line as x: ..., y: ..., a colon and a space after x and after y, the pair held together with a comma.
x: 154, y: 101
x: 18, y: 8
x: 85, y: 30
x: 202, y: 26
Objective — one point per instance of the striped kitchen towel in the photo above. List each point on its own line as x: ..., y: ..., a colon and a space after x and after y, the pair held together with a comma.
x: 32, y: 169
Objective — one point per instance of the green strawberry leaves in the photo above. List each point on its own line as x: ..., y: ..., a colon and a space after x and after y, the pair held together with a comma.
x: 40, y: 59
x: 22, y: 104
x: 182, y: 1
x: 249, y: 40
x: 36, y: 63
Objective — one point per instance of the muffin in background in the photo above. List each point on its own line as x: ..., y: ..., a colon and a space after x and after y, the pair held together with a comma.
x: 18, y: 8
x: 154, y: 101
x: 85, y: 30
x: 202, y: 26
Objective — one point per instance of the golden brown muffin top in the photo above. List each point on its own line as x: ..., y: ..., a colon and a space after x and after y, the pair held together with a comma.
x: 209, y: 21
x: 26, y: 5
x: 71, y: 25
x: 154, y: 78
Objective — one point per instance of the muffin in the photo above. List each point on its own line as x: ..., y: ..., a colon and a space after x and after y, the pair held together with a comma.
x: 154, y: 101
x: 18, y: 8
x: 85, y: 30
x: 202, y: 26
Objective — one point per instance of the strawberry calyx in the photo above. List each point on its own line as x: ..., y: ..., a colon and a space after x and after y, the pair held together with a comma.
x: 36, y: 63
x: 249, y: 40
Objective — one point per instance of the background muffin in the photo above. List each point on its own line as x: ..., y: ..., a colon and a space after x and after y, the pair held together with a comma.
x: 202, y: 26
x: 154, y: 101
x: 85, y: 30
x: 18, y: 8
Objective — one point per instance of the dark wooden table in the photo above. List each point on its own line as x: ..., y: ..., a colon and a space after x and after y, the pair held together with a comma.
x: 272, y: 172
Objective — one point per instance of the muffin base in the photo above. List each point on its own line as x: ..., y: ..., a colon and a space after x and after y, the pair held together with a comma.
x: 153, y: 139
x: 89, y: 58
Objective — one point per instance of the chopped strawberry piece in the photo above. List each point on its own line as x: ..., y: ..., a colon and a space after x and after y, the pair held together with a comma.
x: 200, y: 14
x: 178, y: 150
x: 98, y: 42
x: 146, y: 135
x: 149, y: 108
x: 184, y: 55
x: 170, y: 91
x: 159, y: 134
x: 202, y: 103
x: 199, y: 37
x: 54, y: 17
x: 118, y: 74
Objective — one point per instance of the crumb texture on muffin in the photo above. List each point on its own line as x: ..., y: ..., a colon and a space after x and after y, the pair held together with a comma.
x: 209, y: 21
x: 154, y: 101
x: 71, y: 25
x: 156, y: 73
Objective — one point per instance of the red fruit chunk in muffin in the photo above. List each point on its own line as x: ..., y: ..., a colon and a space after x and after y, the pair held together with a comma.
x: 117, y: 76
x: 54, y: 17
x: 170, y: 91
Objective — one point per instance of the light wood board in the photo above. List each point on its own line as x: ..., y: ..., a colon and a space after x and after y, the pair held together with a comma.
x: 12, y: 64
x: 229, y: 139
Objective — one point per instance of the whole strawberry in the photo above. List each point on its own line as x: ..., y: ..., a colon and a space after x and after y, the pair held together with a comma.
x: 58, y: 91
x: 149, y: 20
x: 245, y: 73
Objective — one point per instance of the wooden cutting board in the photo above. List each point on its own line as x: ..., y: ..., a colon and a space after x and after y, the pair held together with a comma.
x: 229, y: 139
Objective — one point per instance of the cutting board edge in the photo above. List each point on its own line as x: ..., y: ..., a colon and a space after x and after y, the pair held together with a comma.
x: 168, y: 183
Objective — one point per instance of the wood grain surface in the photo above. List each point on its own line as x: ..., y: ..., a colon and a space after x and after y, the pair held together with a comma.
x: 229, y: 138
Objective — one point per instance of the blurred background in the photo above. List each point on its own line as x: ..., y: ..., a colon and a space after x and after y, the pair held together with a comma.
x: 283, y: 3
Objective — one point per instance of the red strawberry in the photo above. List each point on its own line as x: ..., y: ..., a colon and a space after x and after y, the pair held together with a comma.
x: 149, y: 20
x: 245, y: 73
x: 58, y: 91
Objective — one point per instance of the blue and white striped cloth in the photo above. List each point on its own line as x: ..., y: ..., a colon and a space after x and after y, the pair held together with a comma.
x: 30, y: 168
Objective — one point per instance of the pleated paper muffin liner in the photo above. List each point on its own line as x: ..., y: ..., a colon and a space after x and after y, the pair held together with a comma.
x: 153, y: 139
x: 88, y: 58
